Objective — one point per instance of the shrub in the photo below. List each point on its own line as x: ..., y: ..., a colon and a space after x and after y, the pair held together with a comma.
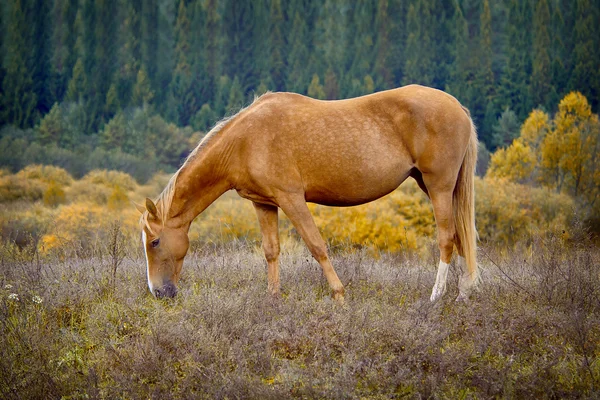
x: 110, y: 179
x: 46, y: 174
x: 13, y: 188
x: 508, y: 212
x: 54, y: 195
x: 86, y: 192
x: 118, y: 198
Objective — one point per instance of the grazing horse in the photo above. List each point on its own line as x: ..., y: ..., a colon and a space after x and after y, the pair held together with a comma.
x: 285, y: 150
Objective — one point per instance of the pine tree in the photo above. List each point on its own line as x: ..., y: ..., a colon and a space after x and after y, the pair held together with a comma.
x: 362, y: 46
x: 236, y: 96
x: 63, y: 45
x: 418, y: 67
x: 149, y: 39
x: 278, y: 48
x: 541, y: 78
x: 211, y: 50
x: 383, y: 69
x: 558, y: 55
x: 586, y: 55
x: 330, y: 38
x: 183, y: 94
x: 461, y: 78
x: 129, y: 52
x: 105, y: 52
x: 142, y: 92
x: 297, y: 79
x: 517, y: 70
x: 19, y: 96
x: 240, y: 46
x: 37, y: 32
x: 485, y: 79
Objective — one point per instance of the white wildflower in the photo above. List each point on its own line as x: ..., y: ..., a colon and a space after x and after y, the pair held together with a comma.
x: 13, y: 296
x: 37, y: 299
x: 8, y: 287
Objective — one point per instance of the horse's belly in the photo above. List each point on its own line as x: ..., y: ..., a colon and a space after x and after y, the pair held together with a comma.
x: 354, y: 186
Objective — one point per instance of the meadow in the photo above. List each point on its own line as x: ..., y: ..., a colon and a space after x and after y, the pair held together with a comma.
x: 77, y: 320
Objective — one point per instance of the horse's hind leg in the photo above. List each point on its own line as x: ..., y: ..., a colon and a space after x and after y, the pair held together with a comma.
x: 297, y: 211
x: 268, y: 220
x: 442, y: 209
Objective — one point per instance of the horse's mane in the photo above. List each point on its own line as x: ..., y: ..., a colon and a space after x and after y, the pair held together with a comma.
x: 164, y: 200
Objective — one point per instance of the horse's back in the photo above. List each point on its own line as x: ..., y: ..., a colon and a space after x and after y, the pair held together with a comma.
x: 348, y: 152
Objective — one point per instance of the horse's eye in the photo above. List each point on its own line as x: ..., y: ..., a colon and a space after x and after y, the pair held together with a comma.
x: 155, y: 243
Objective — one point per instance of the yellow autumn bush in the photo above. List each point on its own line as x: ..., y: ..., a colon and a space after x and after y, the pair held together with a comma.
x: 110, y: 179
x: 84, y: 226
x: 508, y: 212
x: 13, y: 188
x: 46, y: 174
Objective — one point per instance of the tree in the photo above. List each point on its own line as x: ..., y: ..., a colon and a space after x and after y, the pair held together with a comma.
x: 570, y: 151
x: 315, y: 89
x: 298, y: 74
x: 517, y: 69
x: 535, y: 128
x: 586, y: 55
x: 236, y: 96
x: 277, y: 46
x: 183, y: 91
x: 19, y: 96
x: 484, y: 110
x: 383, y: 68
x: 515, y: 163
x: 142, y: 92
x: 418, y: 67
x: 506, y: 129
x: 541, y: 78
x: 63, y: 45
x: 204, y: 119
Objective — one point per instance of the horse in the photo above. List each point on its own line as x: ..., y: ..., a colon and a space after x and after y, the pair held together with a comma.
x: 286, y: 149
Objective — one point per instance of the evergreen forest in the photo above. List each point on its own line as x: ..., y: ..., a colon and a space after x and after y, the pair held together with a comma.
x: 133, y: 85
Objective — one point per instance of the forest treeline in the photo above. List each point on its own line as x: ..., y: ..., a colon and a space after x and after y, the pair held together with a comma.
x: 119, y: 83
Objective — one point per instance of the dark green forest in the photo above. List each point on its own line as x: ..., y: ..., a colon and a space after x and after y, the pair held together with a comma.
x: 132, y: 84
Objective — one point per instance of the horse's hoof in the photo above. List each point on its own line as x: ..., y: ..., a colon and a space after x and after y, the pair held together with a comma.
x: 437, y: 294
x: 338, y: 296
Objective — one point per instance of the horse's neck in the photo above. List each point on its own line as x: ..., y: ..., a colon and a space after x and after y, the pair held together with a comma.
x: 200, y: 182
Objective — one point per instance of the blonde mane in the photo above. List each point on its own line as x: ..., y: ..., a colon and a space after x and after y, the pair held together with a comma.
x: 165, y: 198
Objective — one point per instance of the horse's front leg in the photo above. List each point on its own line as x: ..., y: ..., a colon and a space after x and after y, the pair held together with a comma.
x: 268, y: 220
x: 294, y: 206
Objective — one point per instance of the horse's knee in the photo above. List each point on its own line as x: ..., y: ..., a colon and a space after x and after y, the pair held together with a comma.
x: 319, y: 252
x: 271, y: 251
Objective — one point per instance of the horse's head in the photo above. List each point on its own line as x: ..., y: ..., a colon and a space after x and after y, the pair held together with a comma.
x: 164, y: 248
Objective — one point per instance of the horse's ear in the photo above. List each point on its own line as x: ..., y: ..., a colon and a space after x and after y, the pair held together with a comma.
x: 139, y: 207
x: 151, y: 207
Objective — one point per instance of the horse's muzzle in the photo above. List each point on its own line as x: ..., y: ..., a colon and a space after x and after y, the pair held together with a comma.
x: 168, y: 290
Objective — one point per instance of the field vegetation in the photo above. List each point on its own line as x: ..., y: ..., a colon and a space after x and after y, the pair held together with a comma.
x: 77, y: 320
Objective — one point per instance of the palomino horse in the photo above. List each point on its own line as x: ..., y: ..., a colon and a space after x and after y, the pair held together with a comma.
x: 285, y: 150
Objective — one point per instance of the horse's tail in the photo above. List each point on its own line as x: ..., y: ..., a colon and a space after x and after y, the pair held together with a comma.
x: 464, y: 207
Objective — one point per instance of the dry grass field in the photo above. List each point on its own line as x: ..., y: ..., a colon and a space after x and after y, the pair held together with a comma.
x: 87, y: 327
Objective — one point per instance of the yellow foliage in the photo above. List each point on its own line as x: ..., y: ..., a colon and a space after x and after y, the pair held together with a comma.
x: 118, y: 198
x: 14, y: 188
x: 535, y: 128
x: 54, y: 195
x: 515, y: 163
x: 110, y: 179
x: 570, y: 151
x: 507, y: 212
x: 87, y: 192
x: 46, y: 174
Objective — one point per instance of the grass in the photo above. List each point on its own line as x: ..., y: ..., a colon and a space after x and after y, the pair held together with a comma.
x: 88, y: 327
